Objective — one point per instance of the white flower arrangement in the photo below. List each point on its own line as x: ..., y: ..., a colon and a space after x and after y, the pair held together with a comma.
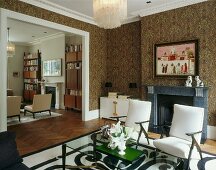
x: 118, y: 136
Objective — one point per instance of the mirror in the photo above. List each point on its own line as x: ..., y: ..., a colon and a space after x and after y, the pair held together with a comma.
x: 52, y: 67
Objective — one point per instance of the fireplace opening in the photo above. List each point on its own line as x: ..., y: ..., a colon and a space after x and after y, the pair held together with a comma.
x: 165, y: 106
x: 51, y: 90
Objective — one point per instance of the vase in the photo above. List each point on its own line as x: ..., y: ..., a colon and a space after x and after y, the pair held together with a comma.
x: 122, y: 147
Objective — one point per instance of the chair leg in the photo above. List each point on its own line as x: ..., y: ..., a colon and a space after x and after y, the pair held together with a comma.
x: 155, y: 155
x: 187, y: 164
x: 24, y: 112
x: 19, y: 118
x: 33, y: 115
x: 50, y: 112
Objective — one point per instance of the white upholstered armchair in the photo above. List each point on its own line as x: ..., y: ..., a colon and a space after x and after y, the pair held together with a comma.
x: 138, y: 117
x: 185, y: 133
x: 13, y: 106
x: 41, y: 103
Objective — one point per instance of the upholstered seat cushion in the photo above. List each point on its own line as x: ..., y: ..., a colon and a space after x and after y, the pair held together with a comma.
x: 174, y: 146
x: 9, y: 155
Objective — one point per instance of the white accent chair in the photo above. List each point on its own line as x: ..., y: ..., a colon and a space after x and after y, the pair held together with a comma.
x: 13, y: 106
x: 41, y: 103
x: 185, y: 133
x: 138, y: 117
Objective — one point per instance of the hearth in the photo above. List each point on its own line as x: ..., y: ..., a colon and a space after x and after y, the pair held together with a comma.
x: 164, y: 97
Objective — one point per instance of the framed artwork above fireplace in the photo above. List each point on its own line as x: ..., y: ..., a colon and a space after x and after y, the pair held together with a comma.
x: 176, y: 59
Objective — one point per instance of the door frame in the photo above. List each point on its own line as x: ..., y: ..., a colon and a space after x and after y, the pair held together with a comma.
x: 4, y: 15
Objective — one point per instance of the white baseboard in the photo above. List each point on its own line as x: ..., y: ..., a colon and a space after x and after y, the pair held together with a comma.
x: 92, y: 114
x: 211, y: 132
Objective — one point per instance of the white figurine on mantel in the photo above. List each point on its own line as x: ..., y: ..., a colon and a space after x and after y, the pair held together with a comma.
x: 199, y: 82
x: 188, y: 82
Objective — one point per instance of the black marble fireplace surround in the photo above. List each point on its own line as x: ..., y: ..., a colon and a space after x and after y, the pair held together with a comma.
x: 164, y: 97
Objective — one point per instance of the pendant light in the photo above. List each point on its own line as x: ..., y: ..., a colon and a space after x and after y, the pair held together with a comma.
x: 10, y: 46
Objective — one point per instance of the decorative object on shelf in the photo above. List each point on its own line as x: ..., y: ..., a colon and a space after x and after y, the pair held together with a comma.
x: 73, y: 77
x: 109, y: 14
x: 31, y: 75
x: 176, y: 59
x: 189, y: 81
x: 118, y: 137
x: 10, y: 47
x: 199, y: 83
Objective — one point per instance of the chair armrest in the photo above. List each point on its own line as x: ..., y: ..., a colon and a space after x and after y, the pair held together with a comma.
x: 117, y: 117
x: 164, y: 128
x: 193, y: 133
x: 142, y: 122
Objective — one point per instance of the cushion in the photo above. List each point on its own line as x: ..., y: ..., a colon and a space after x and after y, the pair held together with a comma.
x: 187, y: 119
x: 9, y: 148
x: 174, y: 146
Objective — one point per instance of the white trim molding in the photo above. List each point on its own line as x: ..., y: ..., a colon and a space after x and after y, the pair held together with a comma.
x: 211, y: 132
x: 49, y: 37
x: 60, y: 10
x: 4, y: 15
x: 93, y: 114
x: 166, y: 7
x: 45, y: 4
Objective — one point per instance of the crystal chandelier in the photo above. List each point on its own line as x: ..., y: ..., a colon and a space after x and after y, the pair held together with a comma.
x: 10, y: 47
x: 109, y: 13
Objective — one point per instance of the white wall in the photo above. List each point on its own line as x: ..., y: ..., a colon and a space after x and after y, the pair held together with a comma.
x: 15, y: 64
x: 54, y: 48
x: 34, y: 48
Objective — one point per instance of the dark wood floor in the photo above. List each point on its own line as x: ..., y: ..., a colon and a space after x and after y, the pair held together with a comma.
x: 35, y: 136
x: 41, y: 134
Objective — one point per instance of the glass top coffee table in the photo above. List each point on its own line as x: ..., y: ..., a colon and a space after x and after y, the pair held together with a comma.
x: 86, y: 152
x: 91, y: 151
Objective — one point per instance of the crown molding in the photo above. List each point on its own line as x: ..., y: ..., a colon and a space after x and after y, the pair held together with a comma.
x: 60, y: 10
x: 49, y: 37
x: 166, y: 7
x: 70, y: 13
x: 136, y: 14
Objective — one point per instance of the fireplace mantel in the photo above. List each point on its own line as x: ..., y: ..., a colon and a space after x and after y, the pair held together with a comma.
x: 198, y: 94
x: 57, y: 85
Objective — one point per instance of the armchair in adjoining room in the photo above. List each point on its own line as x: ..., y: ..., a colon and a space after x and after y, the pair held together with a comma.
x: 41, y: 103
x: 138, y: 117
x: 13, y: 106
x: 185, y: 133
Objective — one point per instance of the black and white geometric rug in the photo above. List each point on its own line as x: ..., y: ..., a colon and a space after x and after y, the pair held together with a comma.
x: 82, y: 154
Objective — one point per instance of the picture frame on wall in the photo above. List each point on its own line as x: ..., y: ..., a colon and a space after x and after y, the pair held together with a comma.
x: 176, y: 59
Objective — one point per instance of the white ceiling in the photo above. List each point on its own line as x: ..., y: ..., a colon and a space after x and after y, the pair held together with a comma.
x: 22, y: 32
x: 83, y: 9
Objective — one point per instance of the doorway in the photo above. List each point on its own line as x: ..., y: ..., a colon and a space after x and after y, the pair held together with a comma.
x: 5, y: 15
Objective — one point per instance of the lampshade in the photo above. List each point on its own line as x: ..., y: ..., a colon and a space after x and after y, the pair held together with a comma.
x: 10, y: 47
x: 109, y: 13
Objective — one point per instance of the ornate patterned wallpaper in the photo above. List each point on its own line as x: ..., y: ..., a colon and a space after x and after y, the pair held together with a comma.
x: 98, y: 43
x: 123, y: 64
x: 192, y: 22
x: 115, y: 54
